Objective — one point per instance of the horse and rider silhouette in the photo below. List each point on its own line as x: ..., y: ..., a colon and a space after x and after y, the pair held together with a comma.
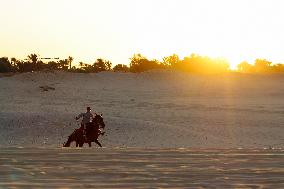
x: 89, y: 130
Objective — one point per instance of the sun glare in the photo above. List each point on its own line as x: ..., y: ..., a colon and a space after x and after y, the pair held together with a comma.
x: 233, y: 30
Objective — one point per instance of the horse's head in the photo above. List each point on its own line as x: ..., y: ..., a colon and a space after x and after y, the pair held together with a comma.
x: 98, y: 119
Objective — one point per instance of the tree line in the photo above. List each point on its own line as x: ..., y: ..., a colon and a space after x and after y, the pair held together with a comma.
x: 260, y: 66
x: 138, y: 63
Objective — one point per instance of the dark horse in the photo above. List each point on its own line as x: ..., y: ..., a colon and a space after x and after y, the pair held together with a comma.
x: 92, y: 133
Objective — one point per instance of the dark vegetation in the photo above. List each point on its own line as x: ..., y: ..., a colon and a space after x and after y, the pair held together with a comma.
x: 138, y: 63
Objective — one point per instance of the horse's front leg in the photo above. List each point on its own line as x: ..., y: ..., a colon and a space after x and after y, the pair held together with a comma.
x: 90, y: 144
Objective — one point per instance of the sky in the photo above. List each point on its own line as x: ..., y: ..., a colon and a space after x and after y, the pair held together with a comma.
x: 236, y: 30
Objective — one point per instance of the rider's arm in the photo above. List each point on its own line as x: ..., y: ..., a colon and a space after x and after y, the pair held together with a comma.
x: 79, y: 116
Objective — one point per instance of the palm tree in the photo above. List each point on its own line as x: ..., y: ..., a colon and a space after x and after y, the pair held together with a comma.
x: 70, y: 59
x: 33, y: 58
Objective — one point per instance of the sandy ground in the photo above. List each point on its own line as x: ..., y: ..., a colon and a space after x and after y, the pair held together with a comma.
x: 140, y: 168
x: 158, y: 109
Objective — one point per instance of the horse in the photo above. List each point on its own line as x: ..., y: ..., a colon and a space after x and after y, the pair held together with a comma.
x: 92, y: 133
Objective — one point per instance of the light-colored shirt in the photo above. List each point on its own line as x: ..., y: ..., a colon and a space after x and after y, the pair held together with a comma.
x: 87, y: 117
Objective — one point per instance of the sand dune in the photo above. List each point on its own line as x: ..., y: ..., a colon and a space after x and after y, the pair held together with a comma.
x: 160, y: 109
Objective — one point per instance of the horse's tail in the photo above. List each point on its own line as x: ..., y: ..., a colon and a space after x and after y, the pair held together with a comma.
x: 67, y: 144
x: 71, y: 138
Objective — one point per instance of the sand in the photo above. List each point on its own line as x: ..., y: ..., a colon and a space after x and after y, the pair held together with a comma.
x: 140, y: 168
x: 157, y: 109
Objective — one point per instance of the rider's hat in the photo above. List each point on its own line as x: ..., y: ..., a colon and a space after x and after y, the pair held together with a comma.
x: 88, y: 108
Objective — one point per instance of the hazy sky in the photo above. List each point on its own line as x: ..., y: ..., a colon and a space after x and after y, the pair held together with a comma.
x: 116, y: 29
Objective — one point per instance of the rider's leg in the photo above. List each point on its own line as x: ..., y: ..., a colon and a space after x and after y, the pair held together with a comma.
x: 84, y: 131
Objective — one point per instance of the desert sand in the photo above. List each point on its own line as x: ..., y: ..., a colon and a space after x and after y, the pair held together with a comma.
x: 140, y: 168
x: 157, y: 109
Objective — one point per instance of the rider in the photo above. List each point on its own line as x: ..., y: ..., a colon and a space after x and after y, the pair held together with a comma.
x: 87, y: 118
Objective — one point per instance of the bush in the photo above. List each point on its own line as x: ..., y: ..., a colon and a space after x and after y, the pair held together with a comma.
x: 121, y: 68
x: 5, y: 65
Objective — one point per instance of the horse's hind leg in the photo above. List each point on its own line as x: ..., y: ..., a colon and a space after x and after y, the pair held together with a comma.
x: 96, y: 141
x: 90, y: 144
